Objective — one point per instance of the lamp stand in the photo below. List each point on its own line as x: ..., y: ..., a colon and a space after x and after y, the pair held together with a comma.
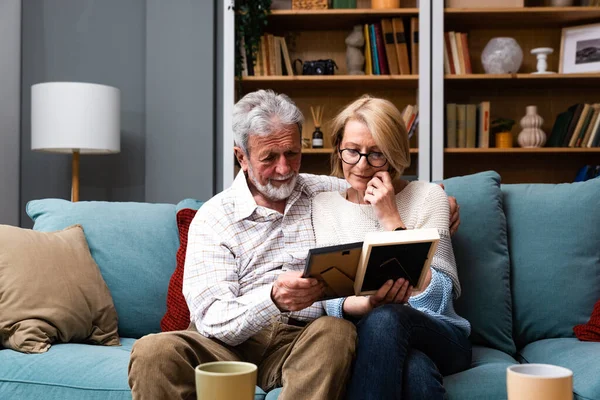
x: 75, y: 177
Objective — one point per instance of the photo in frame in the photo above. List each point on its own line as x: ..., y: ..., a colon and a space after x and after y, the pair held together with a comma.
x: 580, y: 49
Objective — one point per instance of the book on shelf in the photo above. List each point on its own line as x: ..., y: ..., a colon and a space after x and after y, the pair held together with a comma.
x: 390, y: 46
x: 401, y: 46
x: 468, y: 125
x: 272, y: 58
x: 414, y: 45
x: 410, y: 116
x: 483, y: 125
x: 451, y: 138
x: 578, y: 126
x: 587, y: 172
x: 457, y: 58
x: 374, y: 52
x: 381, y: 50
x: 368, y: 57
x: 361, y: 268
x: 390, y: 49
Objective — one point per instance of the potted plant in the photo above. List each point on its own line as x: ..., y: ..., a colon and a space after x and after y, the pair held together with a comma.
x: 501, y: 129
x: 251, y: 17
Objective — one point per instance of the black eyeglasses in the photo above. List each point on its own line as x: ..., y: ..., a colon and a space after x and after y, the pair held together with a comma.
x: 352, y: 157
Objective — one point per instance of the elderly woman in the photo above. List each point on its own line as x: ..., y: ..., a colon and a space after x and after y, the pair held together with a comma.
x: 407, y: 341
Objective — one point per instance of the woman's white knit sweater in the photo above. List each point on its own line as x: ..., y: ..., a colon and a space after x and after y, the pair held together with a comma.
x: 421, y: 205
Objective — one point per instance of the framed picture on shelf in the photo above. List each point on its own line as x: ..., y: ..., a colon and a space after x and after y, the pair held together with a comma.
x: 580, y: 49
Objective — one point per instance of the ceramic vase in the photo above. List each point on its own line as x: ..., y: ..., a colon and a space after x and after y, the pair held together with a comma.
x: 531, y: 135
x: 542, y: 55
x: 502, y: 55
x: 383, y: 4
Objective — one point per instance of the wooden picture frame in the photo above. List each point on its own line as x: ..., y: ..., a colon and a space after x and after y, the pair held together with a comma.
x: 580, y: 49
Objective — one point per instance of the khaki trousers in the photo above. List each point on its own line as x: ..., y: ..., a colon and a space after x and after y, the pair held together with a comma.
x: 311, y: 362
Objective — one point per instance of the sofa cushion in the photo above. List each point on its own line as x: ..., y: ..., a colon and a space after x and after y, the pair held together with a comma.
x: 67, y: 372
x: 590, y: 331
x: 580, y: 357
x: 70, y: 372
x: 481, y: 251
x: 134, y: 245
x: 488, y: 370
x: 553, y: 239
x: 177, y: 316
x: 51, y: 291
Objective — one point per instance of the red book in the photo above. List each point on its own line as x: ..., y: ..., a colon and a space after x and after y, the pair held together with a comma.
x: 449, y: 50
x: 466, y: 54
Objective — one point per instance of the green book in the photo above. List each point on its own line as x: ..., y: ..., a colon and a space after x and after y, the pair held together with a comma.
x: 344, y: 4
x: 560, y: 128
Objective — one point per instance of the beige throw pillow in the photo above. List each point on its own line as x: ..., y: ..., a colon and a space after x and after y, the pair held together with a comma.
x: 51, y: 291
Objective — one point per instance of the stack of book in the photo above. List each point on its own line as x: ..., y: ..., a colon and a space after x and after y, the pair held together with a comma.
x: 578, y: 126
x: 410, y: 115
x: 390, y: 49
x: 468, y: 125
x: 457, y: 60
x: 272, y: 58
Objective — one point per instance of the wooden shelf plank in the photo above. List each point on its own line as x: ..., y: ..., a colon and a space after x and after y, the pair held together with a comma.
x: 333, y: 19
x: 519, y: 150
x: 329, y: 81
x: 552, y: 81
x: 465, y: 18
x: 329, y: 150
x: 546, y: 77
x: 343, y: 12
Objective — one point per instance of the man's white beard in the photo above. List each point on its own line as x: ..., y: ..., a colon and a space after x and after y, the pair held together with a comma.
x: 272, y: 192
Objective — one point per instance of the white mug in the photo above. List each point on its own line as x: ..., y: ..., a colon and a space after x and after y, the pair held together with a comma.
x: 226, y: 380
x: 539, y: 381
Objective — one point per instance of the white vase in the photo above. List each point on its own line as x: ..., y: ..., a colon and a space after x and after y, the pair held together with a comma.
x: 531, y: 135
x: 502, y: 55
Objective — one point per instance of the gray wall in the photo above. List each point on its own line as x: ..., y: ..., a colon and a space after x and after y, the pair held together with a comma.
x: 160, y: 55
x: 219, y: 98
x: 10, y: 90
x: 179, y: 100
x: 85, y: 41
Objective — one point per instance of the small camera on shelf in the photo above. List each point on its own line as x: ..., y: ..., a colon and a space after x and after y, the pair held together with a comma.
x: 317, y: 67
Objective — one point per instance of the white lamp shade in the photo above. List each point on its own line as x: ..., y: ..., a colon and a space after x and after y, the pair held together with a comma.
x: 73, y: 116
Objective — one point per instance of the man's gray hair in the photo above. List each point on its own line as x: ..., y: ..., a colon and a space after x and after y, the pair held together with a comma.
x: 262, y: 113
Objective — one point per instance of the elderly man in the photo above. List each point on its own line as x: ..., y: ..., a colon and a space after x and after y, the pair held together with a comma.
x: 242, y: 281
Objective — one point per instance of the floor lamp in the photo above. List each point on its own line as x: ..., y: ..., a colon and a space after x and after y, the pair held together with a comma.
x: 75, y: 118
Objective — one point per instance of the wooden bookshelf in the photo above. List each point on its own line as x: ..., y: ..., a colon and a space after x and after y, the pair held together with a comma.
x: 321, y: 34
x: 509, y: 94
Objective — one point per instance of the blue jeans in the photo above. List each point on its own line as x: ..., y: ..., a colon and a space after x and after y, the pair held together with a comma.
x: 403, y: 353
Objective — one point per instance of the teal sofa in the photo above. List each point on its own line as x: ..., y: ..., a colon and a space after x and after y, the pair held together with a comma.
x: 528, y: 258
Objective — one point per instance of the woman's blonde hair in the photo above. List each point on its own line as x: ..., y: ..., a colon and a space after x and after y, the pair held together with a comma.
x: 385, y: 123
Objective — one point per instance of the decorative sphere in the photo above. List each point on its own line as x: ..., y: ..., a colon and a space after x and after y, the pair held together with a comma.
x: 502, y: 55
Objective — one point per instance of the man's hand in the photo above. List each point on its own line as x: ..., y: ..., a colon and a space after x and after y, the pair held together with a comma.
x: 291, y: 292
x: 454, y: 213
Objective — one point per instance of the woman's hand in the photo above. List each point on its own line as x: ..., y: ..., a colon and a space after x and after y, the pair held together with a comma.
x: 381, y: 195
x: 426, y: 283
x: 454, y: 213
x: 391, y: 292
